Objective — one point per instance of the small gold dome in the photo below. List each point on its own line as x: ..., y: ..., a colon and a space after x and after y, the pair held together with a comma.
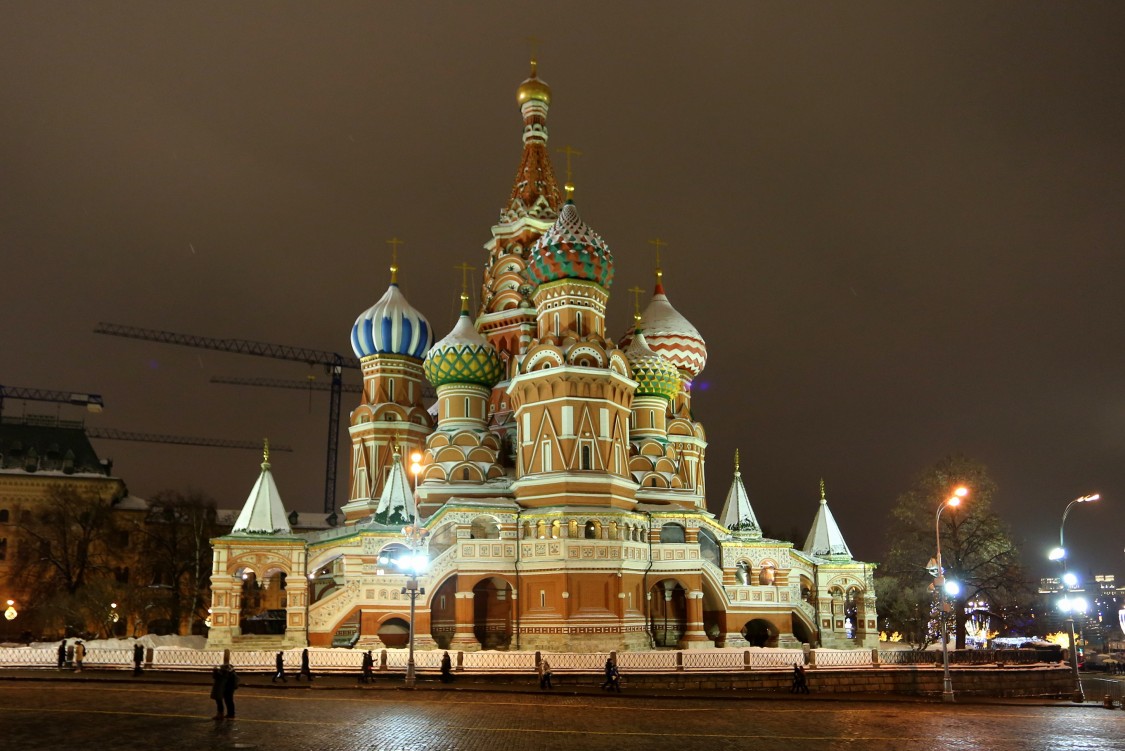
x: 533, y: 88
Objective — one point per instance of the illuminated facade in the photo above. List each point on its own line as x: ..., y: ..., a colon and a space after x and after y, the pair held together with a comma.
x: 560, y: 476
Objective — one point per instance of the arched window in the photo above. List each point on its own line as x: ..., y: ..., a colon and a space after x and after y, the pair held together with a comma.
x: 742, y: 573
x: 767, y: 575
x: 672, y: 533
x: 541, y: 530
x: 555, y: 527
x: 585, y: 457
x: 591, y: 530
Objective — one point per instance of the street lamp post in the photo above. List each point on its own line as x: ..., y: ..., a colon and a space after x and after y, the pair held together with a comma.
x: 1059, y: 554
x: 947, y: 682
x: 414, y: 565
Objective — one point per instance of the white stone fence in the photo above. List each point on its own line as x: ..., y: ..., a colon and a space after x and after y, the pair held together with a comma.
x: 656, y: 661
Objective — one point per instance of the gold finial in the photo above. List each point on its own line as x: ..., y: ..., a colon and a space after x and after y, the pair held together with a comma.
x: 265, y: 450
x: 569, y: 151
x: 394, y: 242
x: 637, y: 292
x: 823, y: 497
x: 465, y: 269
x: 659, y: 271
x: 736, y: 461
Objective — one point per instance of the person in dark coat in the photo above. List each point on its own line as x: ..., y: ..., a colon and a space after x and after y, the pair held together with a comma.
x: 62, y: 654
x: 611, y: 676
x: 280, y: 663
x: 800, y: 683
x: 138, y: 658
x: 230, y: 685
x: 446, y: 669
x: 218, y: 678
x: 368, y: 664
x: 305, y: 670
x: 544, y: 674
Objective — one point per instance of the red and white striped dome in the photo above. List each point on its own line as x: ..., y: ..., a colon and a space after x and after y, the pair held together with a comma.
x: 670, y: 334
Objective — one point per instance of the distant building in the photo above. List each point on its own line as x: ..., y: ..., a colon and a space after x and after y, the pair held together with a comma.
x: 560, y: 476
x: 39, y: 455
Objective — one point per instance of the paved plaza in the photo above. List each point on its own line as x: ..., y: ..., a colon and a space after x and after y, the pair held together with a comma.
x: 174, y: 714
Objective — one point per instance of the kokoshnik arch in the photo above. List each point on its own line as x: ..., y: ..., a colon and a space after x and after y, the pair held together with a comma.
x: 561, y: 480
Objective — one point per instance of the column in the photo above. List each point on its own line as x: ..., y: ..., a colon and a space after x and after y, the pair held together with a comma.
x: 694, y: 635
x: 463, y: 637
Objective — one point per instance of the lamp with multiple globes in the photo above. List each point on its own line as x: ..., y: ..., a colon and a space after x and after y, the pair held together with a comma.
x: 1067, y: 604
x: 945, y: 587
x: 11, y: 612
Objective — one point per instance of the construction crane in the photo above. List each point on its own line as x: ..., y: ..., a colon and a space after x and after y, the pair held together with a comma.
x: 285, y: 383
x: 309, y: 384
x: 222, y: 443
x: 333, y: 362
x: 92, y: 402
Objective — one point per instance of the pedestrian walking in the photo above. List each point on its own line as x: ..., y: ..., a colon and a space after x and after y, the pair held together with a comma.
x: 446, y: 669
x: 544, y: 674
x: 609, y: 675
x: 280, y: 663
x: 230, y: 685
x: 368, y: 664
x: 138, y: 658
x: 305, y: 670
x: 62, y: 654
x: 800, y: 682
x: 79, y: 655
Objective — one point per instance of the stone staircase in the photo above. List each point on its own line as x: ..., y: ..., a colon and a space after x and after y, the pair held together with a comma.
x: 258, y: 642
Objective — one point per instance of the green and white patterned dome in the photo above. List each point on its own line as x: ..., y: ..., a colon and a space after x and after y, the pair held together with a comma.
x: 655, y: 374
x: 463, y: 356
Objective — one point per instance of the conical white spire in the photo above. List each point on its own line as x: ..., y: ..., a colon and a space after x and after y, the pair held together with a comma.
x: 396, y: 504
x: 737, y: 515
x: 825, y: 539
x: 263, y: 512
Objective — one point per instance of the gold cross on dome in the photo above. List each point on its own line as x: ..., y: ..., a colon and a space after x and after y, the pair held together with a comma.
x: 656, y: 241
x: 465, y: 269
x: 533, y: 42
x: 266, y: 450
x: 569, y: 151
x: 394, y: 242
x: 637, y: 292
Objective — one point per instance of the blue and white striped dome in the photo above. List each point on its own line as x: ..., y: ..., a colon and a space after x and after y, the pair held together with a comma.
x: 392, y: 327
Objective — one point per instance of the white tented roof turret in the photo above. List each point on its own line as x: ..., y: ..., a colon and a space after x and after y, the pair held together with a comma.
x: 737, y: 515
x: 825, y: 539
x: 263, y: 513
x: 396, y: 504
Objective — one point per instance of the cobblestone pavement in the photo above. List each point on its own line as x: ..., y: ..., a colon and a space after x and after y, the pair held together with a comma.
x: 92, y: 714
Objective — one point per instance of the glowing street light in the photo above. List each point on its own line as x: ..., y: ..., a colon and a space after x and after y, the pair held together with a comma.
x: 943, y: 588
x: 11, y: 613
x: 1067, y: 604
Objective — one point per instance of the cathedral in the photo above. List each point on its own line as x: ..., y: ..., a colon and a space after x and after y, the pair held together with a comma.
x: 553, y: 497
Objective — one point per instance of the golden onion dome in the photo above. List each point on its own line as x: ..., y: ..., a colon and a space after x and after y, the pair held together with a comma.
x: 533, y: 88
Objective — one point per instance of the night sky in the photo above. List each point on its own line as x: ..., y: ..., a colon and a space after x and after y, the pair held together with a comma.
x: 898, y: 226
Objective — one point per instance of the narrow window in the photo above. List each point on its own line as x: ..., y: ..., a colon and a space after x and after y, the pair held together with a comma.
x: 465, y: 473
x: 546, y: 461
x: 390, y: 389
x: 542, y: 599
x: 578, y: 322
x: 556, y: 324
x: 467, y: 412
x: 585, y: 457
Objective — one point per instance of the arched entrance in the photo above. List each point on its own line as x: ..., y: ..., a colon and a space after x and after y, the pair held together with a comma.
x: 443, y: 613
x: 760, y: 633
x: 667, y: 612
x: 801, y: 631
x: 492, y: 613
x: 394, y: 633
x: 263, y: 603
